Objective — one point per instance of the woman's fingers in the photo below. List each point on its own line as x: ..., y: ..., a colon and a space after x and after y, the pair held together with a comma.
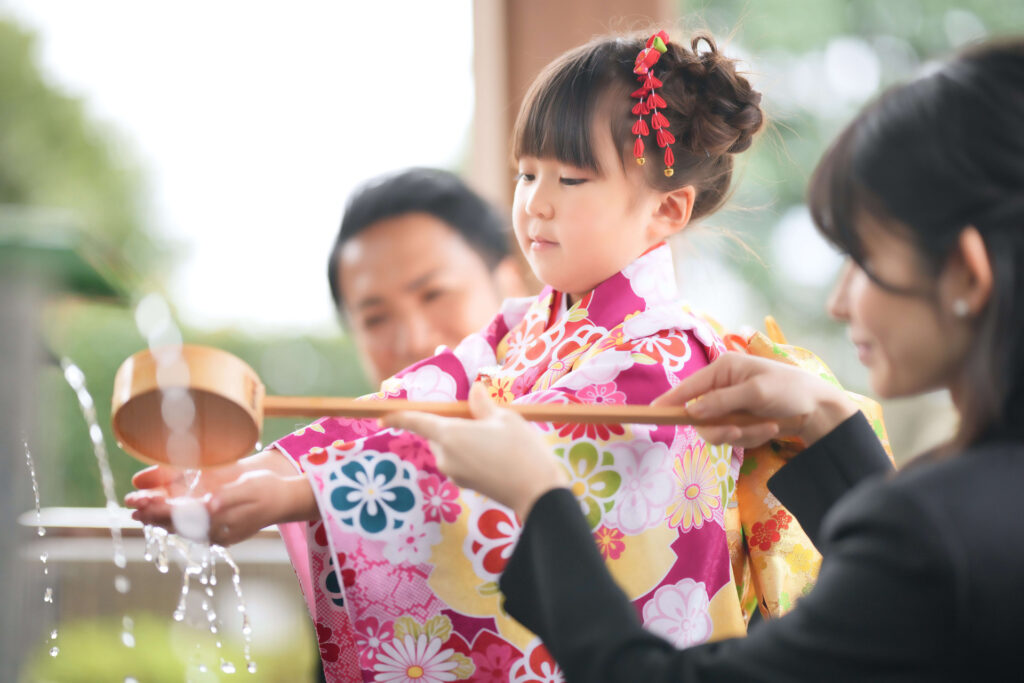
x: 430, y: 427
x: 749, y: 436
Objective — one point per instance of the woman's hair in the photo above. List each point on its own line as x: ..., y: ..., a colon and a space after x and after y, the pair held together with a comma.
x: 926, y: 160
x: 438, y: 193
x: 712, y: 111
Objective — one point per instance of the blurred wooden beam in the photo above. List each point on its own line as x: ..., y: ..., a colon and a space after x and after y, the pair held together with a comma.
x: 513, y: 40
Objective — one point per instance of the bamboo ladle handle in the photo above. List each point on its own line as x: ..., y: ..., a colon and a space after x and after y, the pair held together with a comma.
x: 310, y: 406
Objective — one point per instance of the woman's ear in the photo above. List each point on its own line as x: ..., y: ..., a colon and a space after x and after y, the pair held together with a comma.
x: 970, y: 273
x: 673, y: 212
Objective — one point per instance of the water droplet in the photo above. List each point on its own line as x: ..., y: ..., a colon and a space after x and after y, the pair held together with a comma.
x: 44, y: 557
x: 227, y: 667
x: 120, y: 560
x: 162, y: 568
x: 178, y: 615
x: 131, y: 679
x: 251, y: 668
x: 202, y: 668
x: 247, y: 630
x: 128, y: 639
x: 53, y: 634
x: 41, y: 531
x: 48, y: 595
x: 54, y: 651
x: 122, y: 584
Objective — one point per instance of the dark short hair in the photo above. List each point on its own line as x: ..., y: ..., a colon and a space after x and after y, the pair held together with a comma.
x: 422, y: 190
x: 926, y: 160
x: 713, y: 112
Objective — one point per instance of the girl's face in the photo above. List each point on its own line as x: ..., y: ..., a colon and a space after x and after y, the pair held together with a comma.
x: 910, y: 343
x: 576, y: 227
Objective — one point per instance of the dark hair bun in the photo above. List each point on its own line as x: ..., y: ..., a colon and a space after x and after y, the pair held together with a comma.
x: 720, y: 110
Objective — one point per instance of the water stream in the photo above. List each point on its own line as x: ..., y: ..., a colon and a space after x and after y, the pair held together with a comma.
x: 43, y: 557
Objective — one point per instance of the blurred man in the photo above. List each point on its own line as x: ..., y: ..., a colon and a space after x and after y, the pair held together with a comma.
x: 420, y: 260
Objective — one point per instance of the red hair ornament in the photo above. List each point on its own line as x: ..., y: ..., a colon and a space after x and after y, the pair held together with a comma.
x: 650, y: 102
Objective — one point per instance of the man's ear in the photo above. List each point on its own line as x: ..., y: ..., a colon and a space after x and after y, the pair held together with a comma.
x: 969, y: 271
x: 673, y: 212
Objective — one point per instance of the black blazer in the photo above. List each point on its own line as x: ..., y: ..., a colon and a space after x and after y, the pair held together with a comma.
x: 922, y: 578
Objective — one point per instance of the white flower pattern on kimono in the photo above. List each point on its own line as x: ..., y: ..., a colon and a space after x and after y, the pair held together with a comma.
x: 680, y: 613
x: 646, y: 485
x: 602, y: 369
x: 415, y: 660
x: 429, y: 383
x: 474, y: 353
x: 652, y: 279
x: 413, y: 543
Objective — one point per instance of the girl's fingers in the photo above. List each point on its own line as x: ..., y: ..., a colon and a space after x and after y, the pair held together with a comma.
x: 152, y: 477
x: 480, y: 402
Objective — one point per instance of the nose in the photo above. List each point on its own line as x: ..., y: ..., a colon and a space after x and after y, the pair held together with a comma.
x: 838, y: 301
x: 538, y: 202
x: 416, y: 339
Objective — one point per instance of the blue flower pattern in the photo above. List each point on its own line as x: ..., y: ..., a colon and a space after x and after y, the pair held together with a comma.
x: 374, y: 492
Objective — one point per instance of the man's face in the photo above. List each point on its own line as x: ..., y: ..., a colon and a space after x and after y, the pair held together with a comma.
x: 410, y: 283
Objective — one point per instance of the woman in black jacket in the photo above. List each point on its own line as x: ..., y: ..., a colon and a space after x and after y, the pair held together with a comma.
x: 923, y: 570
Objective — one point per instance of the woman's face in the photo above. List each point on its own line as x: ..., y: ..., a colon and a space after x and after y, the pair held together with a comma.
x: 910, y: 343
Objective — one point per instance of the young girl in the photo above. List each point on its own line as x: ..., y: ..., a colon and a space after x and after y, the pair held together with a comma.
x: 620, y: 144
x: 923, y: 191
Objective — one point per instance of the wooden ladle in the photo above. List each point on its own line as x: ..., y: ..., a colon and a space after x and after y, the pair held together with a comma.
x: 230, y: 401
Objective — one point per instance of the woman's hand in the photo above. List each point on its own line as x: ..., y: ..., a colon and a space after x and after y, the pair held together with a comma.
x: 792, y: 401
x: 239, y: 499
x: 497, y: 454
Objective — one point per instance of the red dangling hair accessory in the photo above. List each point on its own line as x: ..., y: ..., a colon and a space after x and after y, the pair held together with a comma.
x: 651, y: 101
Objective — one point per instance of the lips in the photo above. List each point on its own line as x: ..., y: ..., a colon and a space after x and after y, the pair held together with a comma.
x: 539, y: 243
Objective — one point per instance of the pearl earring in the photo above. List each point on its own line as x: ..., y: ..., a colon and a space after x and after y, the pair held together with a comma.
x: 960, y: 308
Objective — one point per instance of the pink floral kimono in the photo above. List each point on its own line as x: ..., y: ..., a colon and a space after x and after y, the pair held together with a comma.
x: 400, y: 573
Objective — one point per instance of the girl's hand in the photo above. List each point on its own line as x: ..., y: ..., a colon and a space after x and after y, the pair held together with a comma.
x: 239, y: 499
x: 497, y: 454
x: 792, y: 401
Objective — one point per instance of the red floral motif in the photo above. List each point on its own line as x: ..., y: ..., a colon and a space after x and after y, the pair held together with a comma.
x: 599, y: 432
x: 328, y: 651
x: 610, y: 542
x: 348, y: 575
x: 412, y: 449
x: 319, y: 533
x: 660, y: 347
x: 493, y: 658
x: 371, y: 634
x: 439, y: 499
x: 601, y: 394
x: 538, y: 667
x: 316, y: 456
x: 782, y: 518
x: 765, y: 534
x: 500, y: 531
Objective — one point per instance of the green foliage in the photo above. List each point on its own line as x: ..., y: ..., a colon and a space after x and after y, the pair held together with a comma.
x: 53, y: 157
x: 91, y: 650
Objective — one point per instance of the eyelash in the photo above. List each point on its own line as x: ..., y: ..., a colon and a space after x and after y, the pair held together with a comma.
x: 569, y: 182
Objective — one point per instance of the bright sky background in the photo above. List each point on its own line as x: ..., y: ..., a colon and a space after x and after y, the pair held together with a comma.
x: 253, y: 121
